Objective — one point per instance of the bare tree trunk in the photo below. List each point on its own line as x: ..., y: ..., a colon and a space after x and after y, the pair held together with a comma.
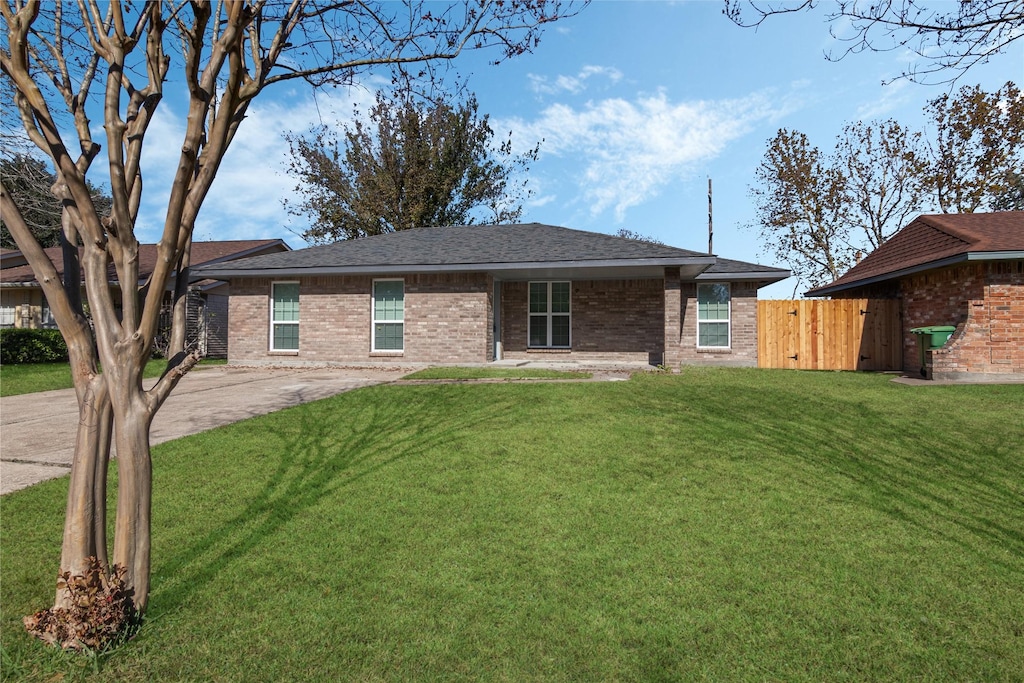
x: 132, y: 419
x: 86, y: 518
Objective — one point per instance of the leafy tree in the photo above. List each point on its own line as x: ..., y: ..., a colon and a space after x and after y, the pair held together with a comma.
x: 71, y: 66
x: 801, y: 208
x: 948, y: 38
x: 817, y: 213
x: 639, y: 237
x: 412, y: 164
x: 1012, y: 198
x: 978, y: 146
x: 29, y: 181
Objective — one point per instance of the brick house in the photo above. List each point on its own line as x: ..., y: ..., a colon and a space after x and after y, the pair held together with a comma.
x: 22, y: 303
x: 965, y: 270
x: 475, y: 294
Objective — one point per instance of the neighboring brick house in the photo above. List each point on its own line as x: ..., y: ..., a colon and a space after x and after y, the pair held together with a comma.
x: 965, y: 270
x: 473, y: 294
x: 22, y: 303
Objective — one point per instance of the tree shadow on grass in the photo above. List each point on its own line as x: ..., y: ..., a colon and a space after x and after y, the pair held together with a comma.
x: 959, y: 490
x: 319, y: 457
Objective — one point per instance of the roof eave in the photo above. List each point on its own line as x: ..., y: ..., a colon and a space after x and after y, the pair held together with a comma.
x: 995, y: 255
x: 974, y: 256
x: 895, y: 274
x: 768, y: 276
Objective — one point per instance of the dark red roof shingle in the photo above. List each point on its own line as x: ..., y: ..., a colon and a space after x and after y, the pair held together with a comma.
x: 933, y: 238
x: 202, y: 252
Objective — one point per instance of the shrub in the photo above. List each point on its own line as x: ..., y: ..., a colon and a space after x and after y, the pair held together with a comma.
x: 19, y: 345
x: 101, y: 611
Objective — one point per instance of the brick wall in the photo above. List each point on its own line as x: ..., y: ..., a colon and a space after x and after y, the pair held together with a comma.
x: 614, y: 320
x: 743, y: 337
x: 986, y: 303
x: 447, y: 320
x: 673, y: 319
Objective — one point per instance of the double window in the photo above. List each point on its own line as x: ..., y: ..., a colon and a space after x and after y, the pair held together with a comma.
x: 284, y: 316
x: 388, y: 315
x: 550, y: 315
x: 713, y: 301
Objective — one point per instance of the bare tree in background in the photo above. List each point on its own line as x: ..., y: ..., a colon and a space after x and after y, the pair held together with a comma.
x: 75, y: 69
x: 818, y: 213
x: 948, y: 38
x: 802, y: 215
x: 885, y: 167
x: 30, y: 183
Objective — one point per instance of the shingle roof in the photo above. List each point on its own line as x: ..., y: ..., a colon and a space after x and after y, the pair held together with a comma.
x: 202, y: 253
x: 728, y: 266
x: 935, y: 240
x: 479, y: 247
x: 467, y: 245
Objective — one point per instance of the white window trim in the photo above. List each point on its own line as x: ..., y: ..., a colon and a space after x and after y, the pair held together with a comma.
x: 373, y: 317
x: 548, y: 315
x: 270, y: 341
x: 727, y: 321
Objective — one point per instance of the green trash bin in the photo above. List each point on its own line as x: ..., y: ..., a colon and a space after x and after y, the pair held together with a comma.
x: 931, y: 337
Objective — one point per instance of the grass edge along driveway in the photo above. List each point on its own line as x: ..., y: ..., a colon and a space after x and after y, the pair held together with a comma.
x: 718, y: 524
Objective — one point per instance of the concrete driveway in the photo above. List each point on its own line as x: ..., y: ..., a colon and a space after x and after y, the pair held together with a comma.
x: 37, y: 431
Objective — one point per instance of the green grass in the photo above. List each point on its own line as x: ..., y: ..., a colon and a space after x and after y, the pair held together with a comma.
x: 32, y: 377
x: 714, y: 525
x: 461, y: 373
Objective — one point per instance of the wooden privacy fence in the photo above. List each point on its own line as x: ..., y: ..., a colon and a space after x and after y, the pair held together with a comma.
x: 836, y: 334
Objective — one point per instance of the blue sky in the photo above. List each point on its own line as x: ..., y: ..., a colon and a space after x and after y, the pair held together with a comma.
x: 638, y: 104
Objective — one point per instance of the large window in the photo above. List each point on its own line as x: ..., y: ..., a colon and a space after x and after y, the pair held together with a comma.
x: 284, y: 316
x: 713, y: 302
x: 549, y: 315
x: 388, y: 315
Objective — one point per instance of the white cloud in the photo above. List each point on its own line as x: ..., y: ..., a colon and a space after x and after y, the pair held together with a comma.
x: 245, y: 199
x: 626, y: 152
x: 573, y: 84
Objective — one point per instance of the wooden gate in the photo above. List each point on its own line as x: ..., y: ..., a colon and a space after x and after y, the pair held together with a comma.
x: 836, y: 334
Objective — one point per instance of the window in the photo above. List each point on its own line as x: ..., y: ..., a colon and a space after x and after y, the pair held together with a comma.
x: 549, y: 315
x: 46, y: 319
x: 713, y: 316
x: 388, y: 315
x: 284, y: 316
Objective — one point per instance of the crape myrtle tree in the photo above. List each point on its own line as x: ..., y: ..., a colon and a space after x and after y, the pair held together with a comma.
x: 947, y: 38
x: 75, y: 69
x: 414, y: 161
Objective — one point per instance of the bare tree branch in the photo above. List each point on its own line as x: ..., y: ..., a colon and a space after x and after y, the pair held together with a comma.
x: 948, y: 38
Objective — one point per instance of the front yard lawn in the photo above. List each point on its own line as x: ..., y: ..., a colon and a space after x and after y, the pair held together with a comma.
x: 32, y: 377
x: 714, y: 525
